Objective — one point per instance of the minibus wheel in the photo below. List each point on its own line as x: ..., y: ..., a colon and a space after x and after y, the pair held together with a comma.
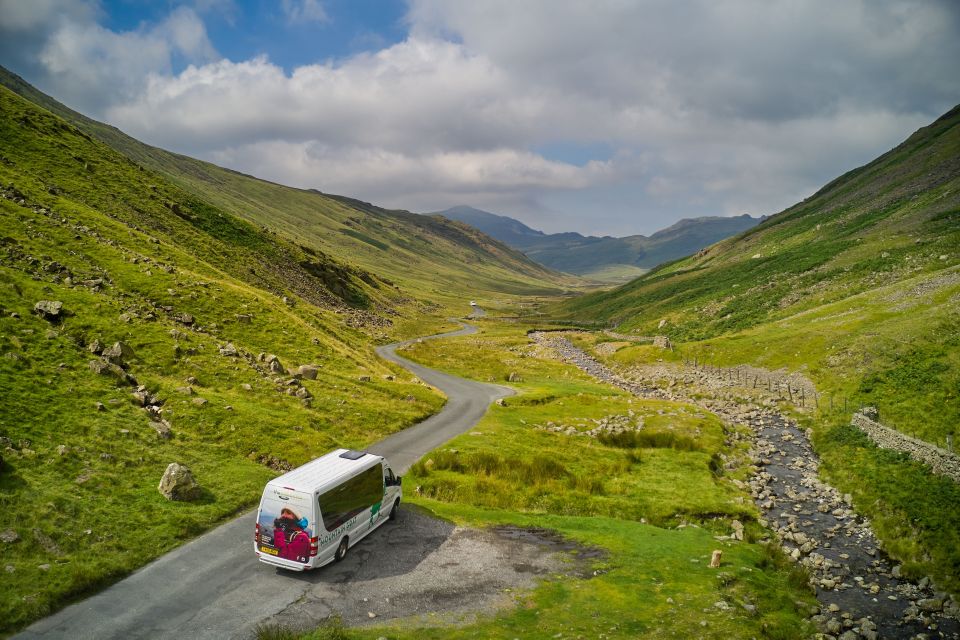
x: 393, y: 512
x: 342, y: 550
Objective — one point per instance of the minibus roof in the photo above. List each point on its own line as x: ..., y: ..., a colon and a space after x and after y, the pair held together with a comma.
x: 325, y: 471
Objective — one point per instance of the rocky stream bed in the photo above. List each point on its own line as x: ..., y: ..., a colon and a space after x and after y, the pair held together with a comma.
x: 860, y: 589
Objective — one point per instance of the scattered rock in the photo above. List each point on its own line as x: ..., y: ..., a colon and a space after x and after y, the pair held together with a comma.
x: 199, y: 401
x: 118, y: 353
x: 364, y: 378
x: 48, y: 309
x: 246, y: 386
x: 244, y: 318
x: 274, y: 363
x: 163, y: 429
x: 308, y: 371
x: 9, y: 536
x: 303, y: 393
x: 715, y: 559
x: 514, y: 377
x: 43, y: 567
x: 663, y: 342
x: 62, y: 450
x: 229, y: 350
x: 95, y: 347
x: 178, y: 483
x: 100, y: 406
x: 183, y: 318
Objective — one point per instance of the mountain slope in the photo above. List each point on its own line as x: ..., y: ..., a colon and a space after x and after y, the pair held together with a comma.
x: 603, y: 258
x: 858, y: 289
x: 198, y: 298
x: 431, y: 259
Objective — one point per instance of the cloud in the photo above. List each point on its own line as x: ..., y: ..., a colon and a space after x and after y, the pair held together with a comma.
x: 300, y: 11
x: 712, y: 107
x: 89, y: 66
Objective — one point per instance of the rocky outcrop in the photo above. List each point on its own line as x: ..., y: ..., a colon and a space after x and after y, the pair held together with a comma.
x: 178, y: 483
x: 940, y: 461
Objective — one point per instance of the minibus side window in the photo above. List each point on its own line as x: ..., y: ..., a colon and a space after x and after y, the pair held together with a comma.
x: 346, y: 500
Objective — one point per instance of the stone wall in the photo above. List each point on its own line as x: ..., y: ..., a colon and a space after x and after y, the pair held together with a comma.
x: 940, y: 461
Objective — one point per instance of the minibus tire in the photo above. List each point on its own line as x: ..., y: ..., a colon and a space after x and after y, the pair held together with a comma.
x: 393, y: 512
x: 342, y: 550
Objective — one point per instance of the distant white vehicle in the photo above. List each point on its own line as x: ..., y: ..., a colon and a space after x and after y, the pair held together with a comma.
x: 473, y: 303
x: 310, y: 516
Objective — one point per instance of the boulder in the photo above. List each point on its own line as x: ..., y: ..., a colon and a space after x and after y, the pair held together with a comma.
x: 871, y: 413
x: 104, y: 368
x: 244, y: 318
x: 178, y: 483
x: 48, y: 309
x: 95, y: 347
x: 514, y: 377
x: 308, y: 371
x: 662, y: 342
x: 363, y: 378
x: 162, y: 427
x: 118, y: 353
x: 274, y: 363
x: 183, y: 318
x: 229, y: 350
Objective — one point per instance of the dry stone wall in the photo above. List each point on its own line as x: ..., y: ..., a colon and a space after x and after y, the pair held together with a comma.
x: 939, y: 460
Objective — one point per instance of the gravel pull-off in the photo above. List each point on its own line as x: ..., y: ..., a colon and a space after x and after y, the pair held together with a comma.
x: 861, y: 592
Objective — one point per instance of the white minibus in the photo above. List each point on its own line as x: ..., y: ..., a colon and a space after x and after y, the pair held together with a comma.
x: 312, y: 515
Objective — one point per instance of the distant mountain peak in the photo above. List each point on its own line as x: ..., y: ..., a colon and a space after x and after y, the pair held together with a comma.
x: 604, y: 257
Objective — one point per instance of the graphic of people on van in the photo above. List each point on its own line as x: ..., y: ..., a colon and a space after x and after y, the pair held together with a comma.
x: 290, y: 536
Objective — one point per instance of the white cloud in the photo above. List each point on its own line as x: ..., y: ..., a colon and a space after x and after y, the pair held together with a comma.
x: 714, y: 106
x: 89, y: 66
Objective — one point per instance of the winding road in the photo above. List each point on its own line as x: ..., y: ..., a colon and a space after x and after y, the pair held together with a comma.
x: 214, y: 587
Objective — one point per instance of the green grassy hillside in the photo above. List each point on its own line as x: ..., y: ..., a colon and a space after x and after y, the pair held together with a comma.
x: 436, y: 260
x: 861, y: 278
x: 217, y: 316
x: 856, y: 287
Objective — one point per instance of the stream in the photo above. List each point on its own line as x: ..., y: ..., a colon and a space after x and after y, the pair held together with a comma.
x: 860, y: 590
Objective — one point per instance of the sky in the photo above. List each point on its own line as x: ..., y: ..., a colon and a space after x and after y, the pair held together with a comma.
x: 612, y: 117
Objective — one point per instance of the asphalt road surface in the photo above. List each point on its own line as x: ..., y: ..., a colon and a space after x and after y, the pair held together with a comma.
x: 214, y: 587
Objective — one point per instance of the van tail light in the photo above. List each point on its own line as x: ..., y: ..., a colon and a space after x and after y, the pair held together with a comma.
x: 256, y: 533
x: 314, y: 546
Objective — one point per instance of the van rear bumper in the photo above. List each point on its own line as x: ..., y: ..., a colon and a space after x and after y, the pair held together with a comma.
x: 283, y: 564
